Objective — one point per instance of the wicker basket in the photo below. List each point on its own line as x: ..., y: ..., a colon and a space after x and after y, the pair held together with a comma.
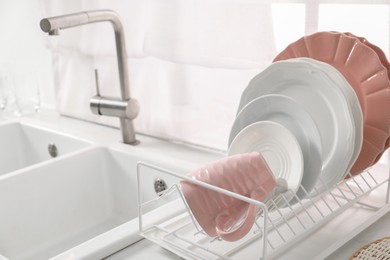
x: 379, y: 249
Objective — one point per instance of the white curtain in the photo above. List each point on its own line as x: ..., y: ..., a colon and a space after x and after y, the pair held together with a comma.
x: 189, y: 60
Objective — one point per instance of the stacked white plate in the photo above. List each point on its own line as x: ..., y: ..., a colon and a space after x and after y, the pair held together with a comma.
x: 292, y: 115
x: 317, y: 106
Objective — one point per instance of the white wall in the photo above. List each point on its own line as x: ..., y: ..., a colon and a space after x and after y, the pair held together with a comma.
x: 22, y: 44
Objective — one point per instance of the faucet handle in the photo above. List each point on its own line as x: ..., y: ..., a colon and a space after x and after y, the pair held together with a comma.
x: 97, y: 82
x: 109, y: 106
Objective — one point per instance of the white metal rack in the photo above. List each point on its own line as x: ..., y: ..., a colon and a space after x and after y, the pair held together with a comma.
x: 276, y: 229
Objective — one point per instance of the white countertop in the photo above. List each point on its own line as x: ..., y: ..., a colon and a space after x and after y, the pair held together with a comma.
x: 378, y: 230
x: 145, y: 249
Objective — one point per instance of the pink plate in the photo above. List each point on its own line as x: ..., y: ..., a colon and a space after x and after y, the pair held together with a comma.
x: 381, y: 55
x: 364, y: 71
x: 385, y: 63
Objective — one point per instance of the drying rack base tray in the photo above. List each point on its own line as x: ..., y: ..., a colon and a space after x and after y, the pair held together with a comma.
x: 178, y: 236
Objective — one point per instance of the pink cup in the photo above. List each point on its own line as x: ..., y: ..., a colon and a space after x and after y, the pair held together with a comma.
x: 219, y: 214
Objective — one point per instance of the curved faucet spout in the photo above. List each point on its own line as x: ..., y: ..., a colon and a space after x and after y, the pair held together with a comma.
x: 53, y: 25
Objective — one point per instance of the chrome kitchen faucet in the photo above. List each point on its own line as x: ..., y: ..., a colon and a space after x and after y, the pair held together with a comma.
x: 125, y: 108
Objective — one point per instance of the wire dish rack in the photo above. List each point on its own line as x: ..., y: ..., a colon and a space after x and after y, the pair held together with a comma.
x: 323, y: 222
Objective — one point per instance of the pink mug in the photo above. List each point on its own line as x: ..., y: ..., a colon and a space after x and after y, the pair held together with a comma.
x: 221, y: 215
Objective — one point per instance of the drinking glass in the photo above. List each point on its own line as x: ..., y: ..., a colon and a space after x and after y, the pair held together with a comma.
x: 27, y: 92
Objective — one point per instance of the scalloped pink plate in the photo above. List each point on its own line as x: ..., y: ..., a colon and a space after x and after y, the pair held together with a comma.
x: 382, y: 57
x: 362, y: 68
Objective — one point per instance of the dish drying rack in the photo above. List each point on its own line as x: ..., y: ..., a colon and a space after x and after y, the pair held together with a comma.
x: 280, y: 226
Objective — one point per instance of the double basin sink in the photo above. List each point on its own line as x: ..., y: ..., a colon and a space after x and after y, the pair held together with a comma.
x: 65, y: 197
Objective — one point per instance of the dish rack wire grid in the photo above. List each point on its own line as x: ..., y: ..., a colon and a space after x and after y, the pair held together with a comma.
x: 280, y: 223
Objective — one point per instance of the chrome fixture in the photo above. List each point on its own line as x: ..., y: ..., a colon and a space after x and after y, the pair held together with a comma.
x: 125, y: 108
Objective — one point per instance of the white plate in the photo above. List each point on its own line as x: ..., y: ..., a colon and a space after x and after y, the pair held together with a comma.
x: 323, y: 99
x: 353, y: 102
x: 289, y: 113
x: 278, y: 146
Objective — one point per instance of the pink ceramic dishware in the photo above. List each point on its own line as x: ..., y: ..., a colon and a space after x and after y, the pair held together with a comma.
x: 382, y: 57
x: 219, y: 214
x: 362, y: 68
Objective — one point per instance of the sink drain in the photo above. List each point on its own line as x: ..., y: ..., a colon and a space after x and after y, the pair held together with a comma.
x: 160, y: 186
x: 53, y: 151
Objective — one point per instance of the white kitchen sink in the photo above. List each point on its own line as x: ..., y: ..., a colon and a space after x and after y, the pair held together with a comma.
x: 81, y: 206
x: 23, y: 145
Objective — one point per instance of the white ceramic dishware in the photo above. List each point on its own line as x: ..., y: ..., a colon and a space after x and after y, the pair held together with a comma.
x: 280, y: 149
x: 292, y: 115
x: 352, y: 100
x: 326, y: 103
